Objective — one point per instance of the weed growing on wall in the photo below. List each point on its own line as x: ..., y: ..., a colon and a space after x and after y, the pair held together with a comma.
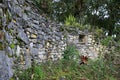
x: 30, y: 74
x: 71, y: 21
x: 71, y: 53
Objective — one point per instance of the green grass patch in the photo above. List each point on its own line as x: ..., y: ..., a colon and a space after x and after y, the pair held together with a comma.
x: 68, y: 70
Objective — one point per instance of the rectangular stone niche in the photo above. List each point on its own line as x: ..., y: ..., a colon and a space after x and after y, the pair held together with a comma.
x: 82, y: 38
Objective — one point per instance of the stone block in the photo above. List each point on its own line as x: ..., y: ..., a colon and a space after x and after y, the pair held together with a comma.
x: 5, y: 66
x: 33, y: 36
x: 2, y: 35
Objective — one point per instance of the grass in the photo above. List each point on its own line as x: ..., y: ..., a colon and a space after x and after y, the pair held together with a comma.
x: 68, y: 70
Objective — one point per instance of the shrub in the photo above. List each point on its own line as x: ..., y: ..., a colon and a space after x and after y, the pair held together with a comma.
x: 94, y: 70
x: 112, y: 59
x: 12, y: 46
x: 71, y: 21
x: 57, y: 10
x: 38, y: 73
x: 98, y: 32
x: 70, y: 53
x: 33, y: 73
x: 45, y: 6
x: 106, y: 41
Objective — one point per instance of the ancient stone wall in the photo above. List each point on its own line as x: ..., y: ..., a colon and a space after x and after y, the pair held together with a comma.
x: 86, y: 44
x: 30, y: 36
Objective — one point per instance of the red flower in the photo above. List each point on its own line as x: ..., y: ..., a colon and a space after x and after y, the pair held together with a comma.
x: 84, y: 59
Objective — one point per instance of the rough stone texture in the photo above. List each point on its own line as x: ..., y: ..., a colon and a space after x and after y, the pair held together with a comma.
x: 5, y: 66
x: 36, y: 38
x: 86, y: 45
x: 22, y: 35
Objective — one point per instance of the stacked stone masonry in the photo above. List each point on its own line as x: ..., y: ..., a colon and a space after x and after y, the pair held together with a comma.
x: 30, y: 36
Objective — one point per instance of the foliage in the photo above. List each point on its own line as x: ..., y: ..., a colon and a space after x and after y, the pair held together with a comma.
x: 25, y: 75
x: 44, y: 6
x: 85, y: 27
x: 98, y: 32
x: 101, y: 13
x: 12, y: 45
x: 106, y: 41
x: 98, y: 69
x: 58, y: 10
x: 104, y: 68
x: 70, y: 52
x: 33, y: 73
x: 67, y: 68
x: 117, y: 32
x: 113, y: 60
x: 71, y: 21
x: 38, y: 73
x: 94, y: 70
x: 104, y: 13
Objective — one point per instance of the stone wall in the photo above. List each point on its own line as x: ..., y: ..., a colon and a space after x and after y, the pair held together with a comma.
x: 5, y: 66
x: 86, y: 44
x: 30, y: 36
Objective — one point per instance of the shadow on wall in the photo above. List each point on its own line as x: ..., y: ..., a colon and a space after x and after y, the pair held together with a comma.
x: 82, y: 38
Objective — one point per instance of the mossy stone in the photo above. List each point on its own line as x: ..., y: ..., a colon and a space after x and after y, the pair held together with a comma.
x: 1, y: 46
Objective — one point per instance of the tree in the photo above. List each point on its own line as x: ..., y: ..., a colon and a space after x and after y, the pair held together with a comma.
x: 103, y: 13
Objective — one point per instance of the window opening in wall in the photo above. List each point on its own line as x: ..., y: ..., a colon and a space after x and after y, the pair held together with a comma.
x: 81, y: 38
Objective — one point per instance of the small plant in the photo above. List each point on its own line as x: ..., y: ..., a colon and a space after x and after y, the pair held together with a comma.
x: 84, y: 59
x: 97, y: 70
x: 98, y: 32
x: 29, y: 74
x: 86, y: 27
x: 106, y: 41
x: 71, y: 21
x: 38, y: 73
x: 71, y: 52
x: 113, y: 61
x: 12, y: 46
